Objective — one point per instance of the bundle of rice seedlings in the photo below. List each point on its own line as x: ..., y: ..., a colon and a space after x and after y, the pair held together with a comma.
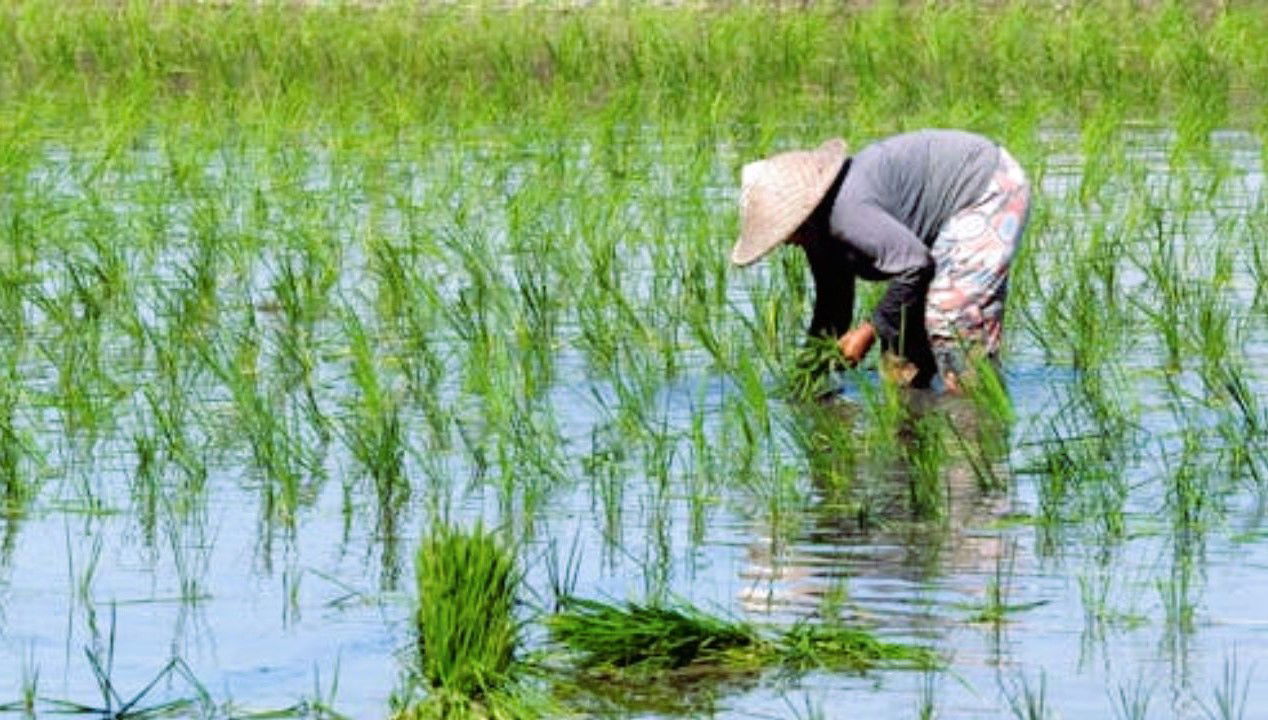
x: 650, y: 636
x: 467, y: 633
x: 660, y: 638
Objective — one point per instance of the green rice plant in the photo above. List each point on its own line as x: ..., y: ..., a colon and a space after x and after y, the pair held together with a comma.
x: 991, y: 423
x: 926, y: 453
x: 1215, y: 331
x: 1191, y: 497
x: 657, y: 62
x: 410, y: 309
x: 1243, y: 425
x: 648, y: 637
x: 839, y: 648
x: 747, y: 418
x: 300, y: 297
x: 777, y: 497
x: 825, y: 434
x: 169, y: 406
x: 275, y: 447
x: 619, y: 639
x: 1259, y: 266
x: 536, y: 325
x: 373, y: 428
x: 465, y: 624
x: 1085, y: 468
x: 904, y: 440
x: 809, y: 377
x: 194, y: 306
x: 703, y: 298
x: 17, y: 485
x: 607, y: 478
x: 145, y: 486
x: 1168, y: 279
x: 86, y: 390
x: 1085, y: 446
x: 704, y: 478
x: 530, y: 460
x: 889, y: 414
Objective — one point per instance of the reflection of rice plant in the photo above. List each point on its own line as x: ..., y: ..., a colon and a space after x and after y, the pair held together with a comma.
x: 1131, y: 701
x: 1028, y: 702
x: 113, y: 703
x: 29, y: 690
x: 1231, y: 694
x: 1178, y: 594
x: 997, y: 606
x: 15, y: 487
x: 927, y: 708
x: 1098, y: 592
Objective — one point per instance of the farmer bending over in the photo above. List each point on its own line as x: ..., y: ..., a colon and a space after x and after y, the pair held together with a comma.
x: 936, y: 213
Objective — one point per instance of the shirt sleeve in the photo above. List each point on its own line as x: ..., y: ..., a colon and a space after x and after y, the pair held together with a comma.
x: 834, y: 288
x: 900, y: 316
x: 891, y: 246
x: 894, y: 252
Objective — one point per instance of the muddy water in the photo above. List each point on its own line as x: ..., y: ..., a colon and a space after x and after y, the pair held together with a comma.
x: 266, y: 617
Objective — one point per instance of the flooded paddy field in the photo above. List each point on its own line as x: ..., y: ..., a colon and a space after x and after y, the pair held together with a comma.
x: 253, y: 361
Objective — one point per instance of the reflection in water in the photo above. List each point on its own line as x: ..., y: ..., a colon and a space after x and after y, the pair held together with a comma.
x: 906, y: 488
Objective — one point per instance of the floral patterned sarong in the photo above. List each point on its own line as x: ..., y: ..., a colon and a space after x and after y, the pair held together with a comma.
x: 964, y: 309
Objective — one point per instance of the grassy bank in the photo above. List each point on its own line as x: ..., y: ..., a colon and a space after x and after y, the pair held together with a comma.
x: 729, y: 69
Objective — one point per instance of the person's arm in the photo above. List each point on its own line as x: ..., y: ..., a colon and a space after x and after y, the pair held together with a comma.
x: 855, y: 343
x: 900, y: 316
x: 834, y: 287
x: 895, y: 252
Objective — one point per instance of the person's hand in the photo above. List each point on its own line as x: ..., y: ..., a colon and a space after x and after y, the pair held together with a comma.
x: 855, y: 343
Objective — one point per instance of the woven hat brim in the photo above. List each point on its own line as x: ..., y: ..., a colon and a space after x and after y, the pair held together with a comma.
x: 778, y: 193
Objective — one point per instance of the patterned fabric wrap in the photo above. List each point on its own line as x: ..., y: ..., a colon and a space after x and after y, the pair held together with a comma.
x: 964, y: 310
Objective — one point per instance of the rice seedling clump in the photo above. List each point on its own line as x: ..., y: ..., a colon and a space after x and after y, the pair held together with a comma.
x: 648, y: 637
x: 653, y: 638
x: 467, y: 632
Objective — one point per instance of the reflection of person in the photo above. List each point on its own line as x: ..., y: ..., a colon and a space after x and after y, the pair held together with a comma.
x: 936, y: 213
x: 867, y: 524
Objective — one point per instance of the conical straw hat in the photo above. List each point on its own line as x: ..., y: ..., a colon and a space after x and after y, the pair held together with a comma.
x: 778, y: 193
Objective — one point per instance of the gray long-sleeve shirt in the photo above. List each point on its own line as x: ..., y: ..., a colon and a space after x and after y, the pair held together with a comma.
x: 896, y: 195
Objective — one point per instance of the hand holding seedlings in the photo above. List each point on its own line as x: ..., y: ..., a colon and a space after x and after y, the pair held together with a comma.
x: 856, y: 343
x: 938, y: 214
